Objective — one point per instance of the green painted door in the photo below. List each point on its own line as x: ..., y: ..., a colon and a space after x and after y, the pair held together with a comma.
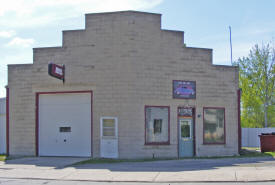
x: 186, y: 137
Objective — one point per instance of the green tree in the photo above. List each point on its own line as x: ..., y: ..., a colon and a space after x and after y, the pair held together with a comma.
x: 257, y: 81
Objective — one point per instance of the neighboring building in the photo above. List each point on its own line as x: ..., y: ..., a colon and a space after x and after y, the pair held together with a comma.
x: 131, y: 90
x: 2, y: 125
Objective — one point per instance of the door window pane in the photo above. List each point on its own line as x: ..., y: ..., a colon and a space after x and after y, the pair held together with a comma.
x: 157, y: 125
x: 185, y: 130
x: 108, y: 127
x: 213, y: 125
x: 108, y: 123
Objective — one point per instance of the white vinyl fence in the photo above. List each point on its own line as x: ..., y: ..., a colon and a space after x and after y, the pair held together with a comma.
x: 250, y: 136
x: 2, y: 125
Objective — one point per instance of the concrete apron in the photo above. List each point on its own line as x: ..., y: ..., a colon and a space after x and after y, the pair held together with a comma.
x: 43, y: 162
x: 189, y: 170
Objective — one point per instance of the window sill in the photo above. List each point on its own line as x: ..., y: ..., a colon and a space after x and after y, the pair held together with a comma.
x: 214, y: 143
x: 157, y: 143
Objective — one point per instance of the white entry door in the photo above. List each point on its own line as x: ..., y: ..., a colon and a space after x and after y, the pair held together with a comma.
x: 65, y: 124
x: 109, y: 137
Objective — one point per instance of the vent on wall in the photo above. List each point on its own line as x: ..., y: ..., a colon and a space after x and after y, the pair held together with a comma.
x: 64, y: 129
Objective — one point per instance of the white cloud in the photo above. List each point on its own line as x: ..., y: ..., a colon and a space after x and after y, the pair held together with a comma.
x: 21, y: 15
x: 221, y: 51
x: 7, y: 34
x: 20, y: 42
x: 30, y: 13
x: 20, y: 57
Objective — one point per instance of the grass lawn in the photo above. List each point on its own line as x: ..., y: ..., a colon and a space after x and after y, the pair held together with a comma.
x: 2, y: 157
x: 270, y: 154
x: 104, y: 160
x: 254, y: 152
x: 245, y: 152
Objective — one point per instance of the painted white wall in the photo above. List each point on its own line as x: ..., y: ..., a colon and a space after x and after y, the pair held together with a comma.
x: 65, y: 110
x: 2, y: 125
x: 250, y: 136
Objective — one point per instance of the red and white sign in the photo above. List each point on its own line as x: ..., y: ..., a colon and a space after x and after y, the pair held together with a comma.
x: 56, y: 71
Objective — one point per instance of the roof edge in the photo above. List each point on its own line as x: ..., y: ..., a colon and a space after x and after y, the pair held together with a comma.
x: 20, y: 64
x: 53, y: 47
x: 167, y: 30
x: 124, y: 11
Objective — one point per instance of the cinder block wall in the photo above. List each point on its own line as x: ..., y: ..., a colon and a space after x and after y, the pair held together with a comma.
x: 2, y: 125
x: 128, y: 62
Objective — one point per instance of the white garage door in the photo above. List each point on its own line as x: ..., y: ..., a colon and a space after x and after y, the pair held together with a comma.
x: 65, y: 124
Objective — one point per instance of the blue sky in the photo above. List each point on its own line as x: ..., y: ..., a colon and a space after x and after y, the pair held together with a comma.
x: 26, y: 24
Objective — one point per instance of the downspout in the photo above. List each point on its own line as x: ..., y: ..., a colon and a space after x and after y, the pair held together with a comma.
x: 239, y: 121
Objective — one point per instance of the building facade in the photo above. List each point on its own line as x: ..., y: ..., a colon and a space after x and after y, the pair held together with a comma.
x: 131, y: 90
x: 3, y: 142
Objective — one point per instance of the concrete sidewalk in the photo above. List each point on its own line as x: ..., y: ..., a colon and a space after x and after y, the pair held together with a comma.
x: 188, y: 170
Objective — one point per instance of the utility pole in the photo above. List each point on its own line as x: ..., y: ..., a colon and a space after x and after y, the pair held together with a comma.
x: 230, y: 45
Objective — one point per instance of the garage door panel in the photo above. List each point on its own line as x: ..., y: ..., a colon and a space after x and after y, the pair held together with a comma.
x: 64, y: 98
x: 65, y: 125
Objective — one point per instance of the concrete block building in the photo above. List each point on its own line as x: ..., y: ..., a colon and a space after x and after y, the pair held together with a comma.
x: 131, y: 90
x: 3, y: 126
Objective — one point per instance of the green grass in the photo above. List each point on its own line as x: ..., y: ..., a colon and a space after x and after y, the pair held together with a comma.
x: 104, y: 160
x: 3, y: 157
x: 251, y: 148
x: 254, y: 152
x: 245, y: 152
x: 270, y: 154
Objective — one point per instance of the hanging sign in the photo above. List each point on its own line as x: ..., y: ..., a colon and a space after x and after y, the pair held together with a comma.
x: 57, y: 71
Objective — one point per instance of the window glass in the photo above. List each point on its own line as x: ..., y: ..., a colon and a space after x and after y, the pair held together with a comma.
x: 213, y: 125
x: 157, y: 126
x: 157, y: 123
x: 185, y: 130
x: 108, y: 123
x: 108, y: 127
